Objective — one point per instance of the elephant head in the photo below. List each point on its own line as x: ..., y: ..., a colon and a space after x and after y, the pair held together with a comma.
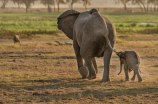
x: 66, y: 22
x: 121, y: 54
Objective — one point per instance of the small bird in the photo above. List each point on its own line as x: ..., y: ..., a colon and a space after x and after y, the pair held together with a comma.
x: 16, y: 39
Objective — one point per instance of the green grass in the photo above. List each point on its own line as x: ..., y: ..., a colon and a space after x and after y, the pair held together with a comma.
x: 28, y: 22
x: 48, y: 22
x: 126, y: 21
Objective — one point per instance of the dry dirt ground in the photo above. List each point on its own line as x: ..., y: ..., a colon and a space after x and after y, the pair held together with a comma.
x: 46, y: 72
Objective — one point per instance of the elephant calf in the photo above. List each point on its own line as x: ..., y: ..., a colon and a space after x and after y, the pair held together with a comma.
x: 131, y: 61
x: 16, y: 39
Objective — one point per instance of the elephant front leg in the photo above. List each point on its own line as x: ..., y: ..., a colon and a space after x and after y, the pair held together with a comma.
x: 107, y: 57
x: 81, y: 68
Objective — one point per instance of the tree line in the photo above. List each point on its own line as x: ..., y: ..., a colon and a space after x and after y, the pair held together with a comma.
x: 48, y: 3
x: 145, y: 5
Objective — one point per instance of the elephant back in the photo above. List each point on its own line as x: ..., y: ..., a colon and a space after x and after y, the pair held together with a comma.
x: 132, y: 57
x: 68, y: 12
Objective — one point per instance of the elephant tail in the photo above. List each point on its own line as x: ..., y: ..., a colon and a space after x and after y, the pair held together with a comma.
x: 108, y: 41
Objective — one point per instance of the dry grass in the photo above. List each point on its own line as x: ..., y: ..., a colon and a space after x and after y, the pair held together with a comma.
x: 46, y: 72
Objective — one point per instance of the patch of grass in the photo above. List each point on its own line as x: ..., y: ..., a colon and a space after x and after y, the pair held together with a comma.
x: 133, y: 24
x: 149, y: 25
x: 121, y: 25
x: 119, y: 41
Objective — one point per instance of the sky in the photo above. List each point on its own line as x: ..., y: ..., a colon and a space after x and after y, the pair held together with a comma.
x: 94, y: 4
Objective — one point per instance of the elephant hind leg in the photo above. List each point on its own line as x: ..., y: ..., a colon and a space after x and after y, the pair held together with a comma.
x: 92, y: 73
x: 126, y: 72
x: 95, y: 64
x: 81, y: 68
x: 135, y: 69
x: 107, y: 57
x: 133, y: 78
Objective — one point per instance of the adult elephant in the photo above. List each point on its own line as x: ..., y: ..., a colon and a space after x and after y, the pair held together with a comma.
x: 93, y: 36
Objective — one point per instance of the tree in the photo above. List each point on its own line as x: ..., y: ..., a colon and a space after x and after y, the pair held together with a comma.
x: 48, y: 3
x: 59, y: 2
x: 17, y: 2
x: 27, y: 3
x: 71, y: 3
x: 4, y: 2
x: 153, y: 3
x: 137, y: 2
x: 144, y: 4
x: 85, y: 3
x: 124, y: 2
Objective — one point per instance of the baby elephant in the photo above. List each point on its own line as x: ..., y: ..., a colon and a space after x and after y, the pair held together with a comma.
x: 16, y: 39
x: 131, y: 61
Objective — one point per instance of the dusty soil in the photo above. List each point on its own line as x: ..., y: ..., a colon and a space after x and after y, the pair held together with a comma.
x: 45, y: 71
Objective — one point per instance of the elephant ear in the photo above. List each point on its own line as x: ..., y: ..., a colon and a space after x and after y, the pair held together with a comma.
x: 93, y: 11
x: 68, y: 12
x: 66, y: 22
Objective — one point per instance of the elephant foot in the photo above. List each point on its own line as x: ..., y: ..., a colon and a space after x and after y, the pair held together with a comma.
x: 127, y: 80
x: 105, y: 80
x: 139, y: 80
x: 132, y: 79
x: 91, y: 77
x: 83, y: 77
x: 84, y: 72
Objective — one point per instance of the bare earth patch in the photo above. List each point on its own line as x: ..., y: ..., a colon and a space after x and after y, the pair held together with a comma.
x: 46, y: 72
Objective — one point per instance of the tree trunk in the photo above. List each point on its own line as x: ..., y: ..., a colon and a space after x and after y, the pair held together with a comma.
x: 4, y: 4
x: 54, y: 7
x: 86, y: 5
x: 140, y: 6
x: 18, y: 5
x: 71, y: 6
x: 143, y: 6
x: 49, y: 9
x: 154, y: 6
x: 125, y: 8
x: 58, y: 7
x: 27, y: 9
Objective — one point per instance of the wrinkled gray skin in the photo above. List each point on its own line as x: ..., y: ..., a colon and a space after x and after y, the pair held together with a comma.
x: 131, y: 61
x: 16, y: 39
x: 93, y: 36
